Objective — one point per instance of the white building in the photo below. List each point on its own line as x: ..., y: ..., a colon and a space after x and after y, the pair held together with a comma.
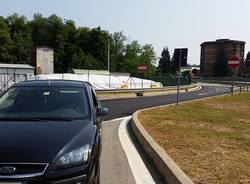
x: 13, y: 73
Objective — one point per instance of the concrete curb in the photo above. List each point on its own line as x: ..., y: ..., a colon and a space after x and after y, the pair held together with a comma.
x: 112, y: 95
x: 170, y: 171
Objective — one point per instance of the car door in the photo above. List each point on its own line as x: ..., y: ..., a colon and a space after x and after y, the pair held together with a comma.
x: 98, y: 122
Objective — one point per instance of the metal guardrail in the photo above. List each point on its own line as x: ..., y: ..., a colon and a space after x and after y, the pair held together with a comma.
x: 225, y: 82
x: 143, y: 90
x: 237, y: 78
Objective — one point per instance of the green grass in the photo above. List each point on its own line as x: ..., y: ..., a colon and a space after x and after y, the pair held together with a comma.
x: 210, y: 135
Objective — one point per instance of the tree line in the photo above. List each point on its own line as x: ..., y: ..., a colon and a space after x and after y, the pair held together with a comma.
x: 74, y: 47
x: 246, y: 67
x: 168, y: 66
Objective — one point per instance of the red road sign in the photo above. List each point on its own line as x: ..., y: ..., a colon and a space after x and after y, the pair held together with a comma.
x: 142, y: 68
x: 234, y: 62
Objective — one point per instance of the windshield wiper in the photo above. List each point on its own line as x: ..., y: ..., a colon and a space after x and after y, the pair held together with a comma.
x: 20, y: 119
x: 39, y: 119
x: 57, y: 119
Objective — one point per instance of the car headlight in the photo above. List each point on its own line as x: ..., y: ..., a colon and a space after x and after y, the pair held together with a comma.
x: 73, y: 158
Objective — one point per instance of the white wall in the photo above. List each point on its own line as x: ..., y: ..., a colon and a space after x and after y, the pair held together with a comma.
x: 16, y: 71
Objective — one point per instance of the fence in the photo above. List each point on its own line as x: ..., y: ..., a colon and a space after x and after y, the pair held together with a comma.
x: 7, y: 80
x: 236, y: 78
x: 167, y: 81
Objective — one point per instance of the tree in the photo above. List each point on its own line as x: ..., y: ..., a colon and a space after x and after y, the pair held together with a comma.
x: 148, y: 57
x: 117, y: 51
x: 21, y: 35
x: 82, y: 61
x: 81, y: 48
x: 6, y: 46
x: 70, y: 46
x: 246, y: 67
x: 165, y: 63
x: 220, y: 67
x: 131, y: 58
x: 247, y: 60
x: 41, y: 31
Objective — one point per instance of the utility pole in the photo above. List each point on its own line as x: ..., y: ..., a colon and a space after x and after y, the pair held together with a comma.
x: 232, y: 88
x: 233, y: 63
x: 179, y: 80
x: 108, y: 57
x: 109, y: 62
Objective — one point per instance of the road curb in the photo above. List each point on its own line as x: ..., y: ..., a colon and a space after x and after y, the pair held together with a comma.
x: 169, y: 170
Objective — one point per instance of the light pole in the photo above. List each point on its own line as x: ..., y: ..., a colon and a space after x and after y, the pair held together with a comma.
x: 179, y: 80
x: 109, y: 62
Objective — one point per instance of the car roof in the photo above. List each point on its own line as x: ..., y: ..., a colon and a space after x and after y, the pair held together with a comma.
x: 52, y: 83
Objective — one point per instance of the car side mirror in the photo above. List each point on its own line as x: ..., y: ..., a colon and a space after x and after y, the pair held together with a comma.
x: 102, y: 111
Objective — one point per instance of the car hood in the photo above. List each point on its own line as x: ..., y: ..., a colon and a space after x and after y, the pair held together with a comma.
x: 41, y: 142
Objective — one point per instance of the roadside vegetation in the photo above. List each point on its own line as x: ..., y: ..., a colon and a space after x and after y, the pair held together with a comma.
x: 209, y: 139
x: 74, y: 47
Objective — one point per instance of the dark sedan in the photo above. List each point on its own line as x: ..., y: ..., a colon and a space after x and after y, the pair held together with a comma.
x: 50, y: 133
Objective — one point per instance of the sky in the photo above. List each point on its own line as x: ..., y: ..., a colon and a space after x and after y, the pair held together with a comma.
x: 171, y: 23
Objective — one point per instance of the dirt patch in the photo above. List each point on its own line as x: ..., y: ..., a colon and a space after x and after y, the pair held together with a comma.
x: 209, y: 140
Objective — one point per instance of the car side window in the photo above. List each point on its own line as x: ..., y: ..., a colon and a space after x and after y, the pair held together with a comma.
x: 8, y: 99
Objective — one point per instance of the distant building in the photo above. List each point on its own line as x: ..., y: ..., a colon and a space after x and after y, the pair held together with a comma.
x: 43, y: 60
x: 13, y: 73
x: 209, y: 52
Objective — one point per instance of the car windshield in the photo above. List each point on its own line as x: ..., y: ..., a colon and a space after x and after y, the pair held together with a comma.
x: 39, y: 103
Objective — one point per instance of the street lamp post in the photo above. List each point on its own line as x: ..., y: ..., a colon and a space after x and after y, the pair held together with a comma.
x: 109, y: 63
x: 179, y: 80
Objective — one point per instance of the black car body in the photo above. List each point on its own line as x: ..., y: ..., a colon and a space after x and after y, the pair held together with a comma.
x: 50, y: 133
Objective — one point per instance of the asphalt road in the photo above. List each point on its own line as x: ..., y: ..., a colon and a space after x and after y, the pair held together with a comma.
x: 115, y: 165
x: 125, y: 107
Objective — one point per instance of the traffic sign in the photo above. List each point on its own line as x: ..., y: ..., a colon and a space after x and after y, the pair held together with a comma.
x: 180, y: 54
x: 234, y: 62
x: 142, y: 68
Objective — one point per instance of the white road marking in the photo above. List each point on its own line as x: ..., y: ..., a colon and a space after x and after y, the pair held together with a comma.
x: 201, y: 94
x: 218, y: 89
x: 117, y: 119
x: 138, y: 168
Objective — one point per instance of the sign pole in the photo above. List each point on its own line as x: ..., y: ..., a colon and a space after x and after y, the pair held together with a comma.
x: 179, y: 81
x: 141, y: 83
x: 233, y: 63
x: 142, y: 69
x: 232, y: 88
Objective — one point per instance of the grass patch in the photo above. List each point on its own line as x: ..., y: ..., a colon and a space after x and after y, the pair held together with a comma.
x: 208, y: 139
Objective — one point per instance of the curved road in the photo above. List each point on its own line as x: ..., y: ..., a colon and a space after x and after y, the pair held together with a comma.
x: 126, y: 107
x: 123, y: 161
